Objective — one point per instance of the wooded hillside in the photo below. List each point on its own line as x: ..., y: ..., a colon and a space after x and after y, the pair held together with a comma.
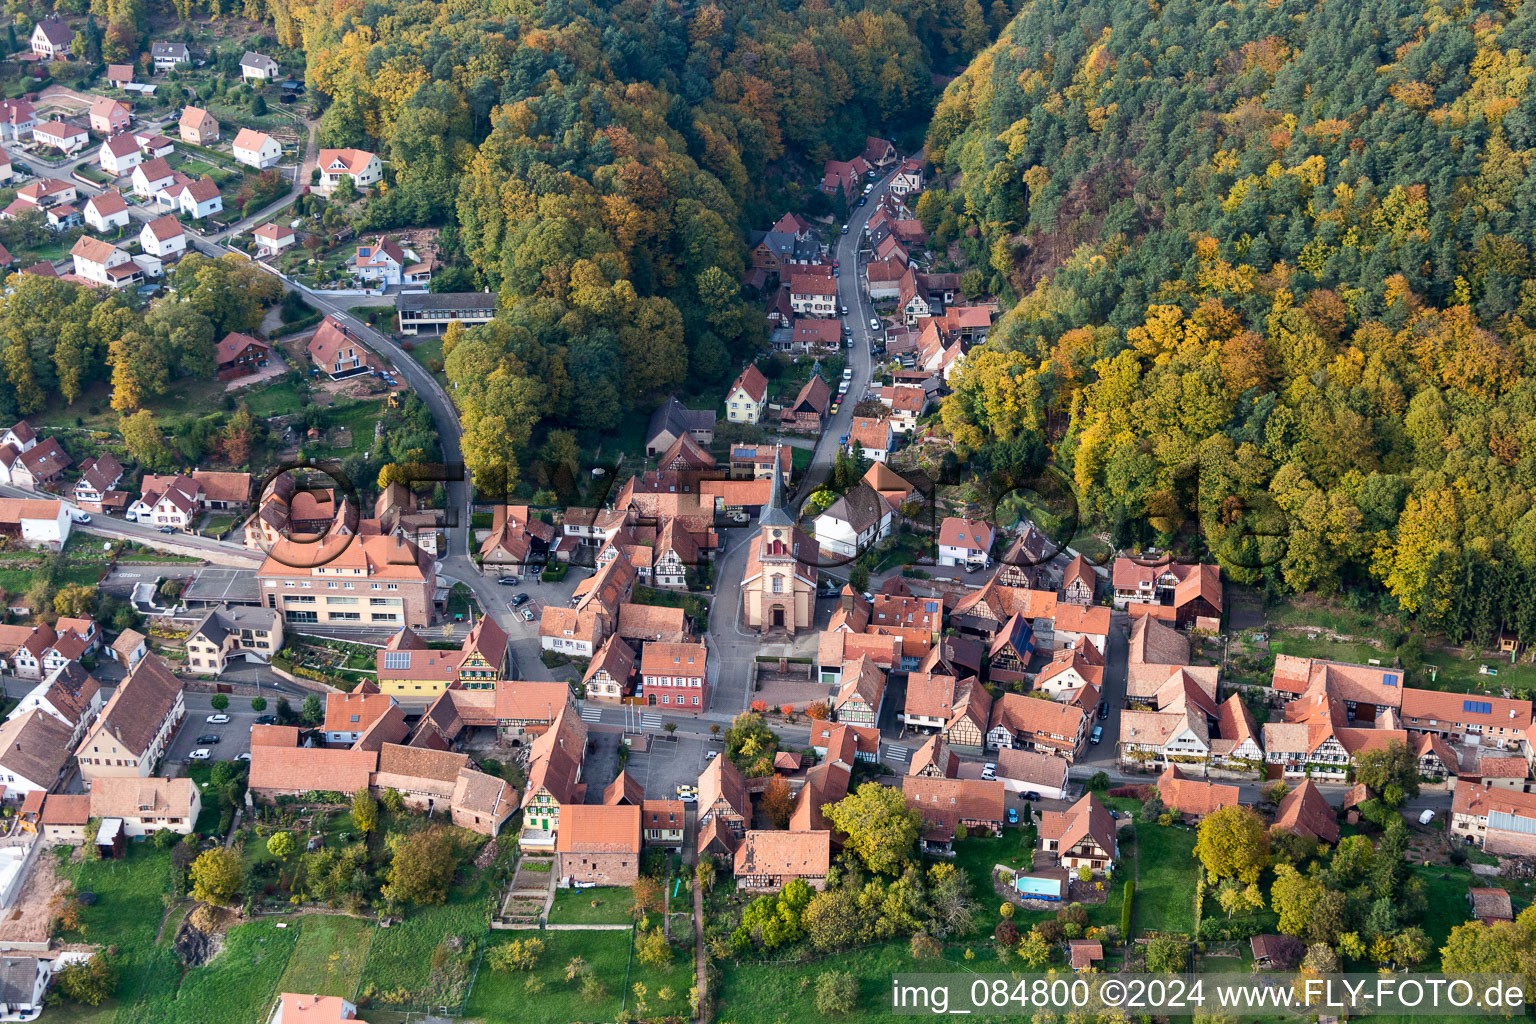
x: 1272, y: 265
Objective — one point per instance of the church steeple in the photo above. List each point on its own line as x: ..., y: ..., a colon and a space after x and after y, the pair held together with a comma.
x: 774, y: 514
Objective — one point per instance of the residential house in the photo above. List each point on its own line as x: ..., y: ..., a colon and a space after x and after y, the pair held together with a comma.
x: 747, y: 396
x: 1031, y: 723
x: 908, y: 178
x: 675, y: 676
x: 724, y: 809
x: 1079, y: 582
x: 172, y: 501
x: 233, y: 632
x: 671, y: 420
x: 195, y: 199
x: 119, y: 155
x: 33, y: 468
x: 807, y: 334
x: 807, y: 413
x: 51, y: 38
x: 844, y: 176
x: 767, y: 861
x: 99, y: 476
x: 62, y: 217
x: 878, y: 153
x: 906, y: 402
x: 965, y: 542
x: 662, y: 821
x: 599, y: 844
x: 256, y: 67
x: 104, y: 263
x: 362, y: 167
x: 23, y: 983
x: 609, y: 674
x: 1012, y: 649
x: 272, y: 238
x: 107, y: 212
x: 412, y: 670
x: 581, y: 628
x: 1032, y: 771
x: 338, y: 352
x: 198, y: 127
x: 34, y: 522
x: 518, y: 538
x: 135, y: 727
x: 257, y: 149
x: 1481, y: 719
x: 163, y: 237
x: 240, y: 355
x: 554, y: 772
x: 854, y: 523
x: 109, y: 116
x: 813, y: 294
x: 1306, y: 812
x: 17, y: 119
x: 934, y: 759
x: 381, y: 261
x: 64, y: 137
x: 147, y: 805
x: 1081, y: 836
x: 1191, y: 797
x: 168, y: 55
x: 34, y: 754
x: 947, y: 803
x: 1076, y: 625
x: 861, y: 693
x: 152, y: 177
x: 873, y: 436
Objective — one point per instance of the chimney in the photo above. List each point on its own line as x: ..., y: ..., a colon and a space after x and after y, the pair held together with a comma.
x: 847, y: 601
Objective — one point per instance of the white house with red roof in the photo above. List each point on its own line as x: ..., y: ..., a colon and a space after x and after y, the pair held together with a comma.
x: 362, y: 167
x: 965, y: 542
x: 747, y: 397
x: 51, y: 38
x: 381, y: 260
x: 273, y: 238
x: 119, y: 155
x: 163, y: 237
x: 17, y: 119
x: 61, y: 136
x: 196, y: 199
x: 873, y: 434
x: 175, y: 505
x: 908, y: 177
x: 813, y: 294
x: 151, y: 177
x: 107, y: 212
x: 257, y: 149
x: 104, y: 263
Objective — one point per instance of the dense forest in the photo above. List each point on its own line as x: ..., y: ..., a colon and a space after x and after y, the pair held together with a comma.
x: 600, y: 165
x: 1272, y: 275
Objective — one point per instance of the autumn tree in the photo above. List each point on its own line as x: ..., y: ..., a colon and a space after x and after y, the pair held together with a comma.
x: 1233, y: 843
x: 422, y: 867
x: 217, y: 876
x: 881, y: 829
x: 776, y: 801
x: 1391, y: 772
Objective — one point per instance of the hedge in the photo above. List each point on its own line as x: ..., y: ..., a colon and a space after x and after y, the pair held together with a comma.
x: 1125, y: 909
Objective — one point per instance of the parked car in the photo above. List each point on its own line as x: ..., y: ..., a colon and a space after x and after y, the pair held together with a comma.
x: 527, y: 615
x: 845, y: 229
x: 844, y: 309
x: 843, y: 439
x: 510, y: 581
x: 210, y: 739
x: 80, y: 517
x: 267, y: 720
x: 711, y: 756
x: 167, y: 529
x: 1103, y: 711
x: 244, y: 756
x: 1427, y: 816
x: 1098, y: 734
x: 218, y: 719
x: 1032, y: 797
x: 200, y: 754
x: 518, y: 600
x: 874, y: 324
x: 1013, y: 815
x: 847, y: 373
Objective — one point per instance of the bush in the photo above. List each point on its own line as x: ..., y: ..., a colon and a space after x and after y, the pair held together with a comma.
x: 837, y: 994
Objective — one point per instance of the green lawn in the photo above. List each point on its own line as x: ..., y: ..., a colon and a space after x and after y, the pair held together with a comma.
x: 16, y: 581
x: 1447, y: 898
x: 1166, y: 886
x: 502, y: 998
x: 329, y: 957
x: 400, y: 961
x: 575, y: 906
x: 239, y: 983
x: 278, y: 398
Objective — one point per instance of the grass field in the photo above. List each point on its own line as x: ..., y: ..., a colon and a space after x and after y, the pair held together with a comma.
x: 329, y: 956
x: 574, y: 906
x: 400, y: 959
x: 278, y: 398
x: 503, y: 998
x: 237, y: 984
x: 1166, y: 886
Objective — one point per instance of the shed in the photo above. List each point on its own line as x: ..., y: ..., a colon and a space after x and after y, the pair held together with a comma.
x: 112, y: 839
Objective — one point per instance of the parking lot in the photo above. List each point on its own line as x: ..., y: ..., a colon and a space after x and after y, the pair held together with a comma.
x: 670, y: 762
x: 234, y: 736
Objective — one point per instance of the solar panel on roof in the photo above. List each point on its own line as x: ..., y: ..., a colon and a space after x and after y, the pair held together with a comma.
x: 1477, y: 707
x: 397, y: 659
x: 1389, y: 679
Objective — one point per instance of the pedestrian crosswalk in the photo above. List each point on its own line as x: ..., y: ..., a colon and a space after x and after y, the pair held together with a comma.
x: 591, y: 713
x: 650, y: 721
x: 897, y: 752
